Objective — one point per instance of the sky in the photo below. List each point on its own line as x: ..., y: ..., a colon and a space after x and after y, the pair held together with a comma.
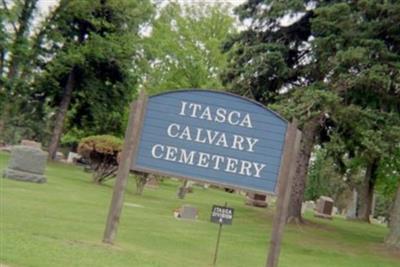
x: 46, y: 4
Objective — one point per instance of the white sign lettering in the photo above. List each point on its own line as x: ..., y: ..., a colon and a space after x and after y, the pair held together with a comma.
x: 221, y: 115
x: 211, y: 137
x: 206, y: 160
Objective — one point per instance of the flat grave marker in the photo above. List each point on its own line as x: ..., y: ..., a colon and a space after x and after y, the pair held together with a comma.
x: 188, y: 212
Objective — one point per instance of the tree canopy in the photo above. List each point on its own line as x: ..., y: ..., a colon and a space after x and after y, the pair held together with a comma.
x: 332, y: 64
x: 184, y: 47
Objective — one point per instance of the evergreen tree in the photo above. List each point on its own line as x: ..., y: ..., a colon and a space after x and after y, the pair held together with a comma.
x: 319, y: 58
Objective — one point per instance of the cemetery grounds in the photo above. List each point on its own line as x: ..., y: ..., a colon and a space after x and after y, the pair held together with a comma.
x: 61, y: 223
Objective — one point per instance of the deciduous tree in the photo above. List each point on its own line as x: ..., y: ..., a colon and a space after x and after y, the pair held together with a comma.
x: 87, y: 65
x: 183, y: 50
x: 16, y: 25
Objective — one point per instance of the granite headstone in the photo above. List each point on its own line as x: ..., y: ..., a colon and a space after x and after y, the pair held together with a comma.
x: 324, y: 208
x: 27, y: 163
x: 256, y: 200
x: 188, y: 212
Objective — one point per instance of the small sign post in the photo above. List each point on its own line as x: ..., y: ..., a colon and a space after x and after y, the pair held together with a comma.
x: 221, y: 215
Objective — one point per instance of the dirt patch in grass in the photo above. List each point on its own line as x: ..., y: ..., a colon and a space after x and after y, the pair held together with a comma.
x: 382, y: 249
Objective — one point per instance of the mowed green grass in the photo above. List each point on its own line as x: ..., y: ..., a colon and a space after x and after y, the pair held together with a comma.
x: 61, y: 223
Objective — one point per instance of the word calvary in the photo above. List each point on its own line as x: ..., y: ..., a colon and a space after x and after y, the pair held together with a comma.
x: 210, y: 137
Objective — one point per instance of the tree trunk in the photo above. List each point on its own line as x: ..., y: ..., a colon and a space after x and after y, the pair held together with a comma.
x: 1, y: 128
x: 310, y: 132
x: 367, y: 192
x: 3, y: 118
x: 61, y: 114
x: 21, y: 33
x: 393, y: 238
x: 2, y: 61
x: 2, y: 123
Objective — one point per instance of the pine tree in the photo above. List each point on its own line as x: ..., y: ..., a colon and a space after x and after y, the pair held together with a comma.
x: 312, y: 59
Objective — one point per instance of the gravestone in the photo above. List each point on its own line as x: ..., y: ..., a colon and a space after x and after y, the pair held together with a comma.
x: 188, y: 212
x: 59, y: 156
x: 6, y: 148
x: 373, y: 206
x: 381, y: 220
x: 303, y: 208
x: 73, y: 157
x: 352, y: 207
x: 26, y: 164
x: 185, y: 188
x: 31, y: 143
x: 152, y: 182
x: 256, y: 200
x: 335, y: 211
x: 307, y: 206
x: 324, y: 207
x: 189, y: 187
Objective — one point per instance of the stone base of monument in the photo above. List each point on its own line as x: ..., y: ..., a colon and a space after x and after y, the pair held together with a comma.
x: 256, y: 200
x: 323, y: 216
x: 152, y: 182
x: 24, y: 176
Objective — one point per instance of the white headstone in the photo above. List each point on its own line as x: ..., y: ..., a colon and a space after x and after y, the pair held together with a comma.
x: 352, y: 207
x: 72, y: 157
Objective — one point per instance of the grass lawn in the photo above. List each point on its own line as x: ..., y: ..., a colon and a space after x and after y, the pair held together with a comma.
x: 61, y: 223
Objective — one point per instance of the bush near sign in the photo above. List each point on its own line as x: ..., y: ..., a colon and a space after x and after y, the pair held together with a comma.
x: 221, y: 214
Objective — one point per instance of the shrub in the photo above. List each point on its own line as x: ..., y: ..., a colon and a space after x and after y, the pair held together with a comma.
x: 101, y: 152
x: 141, y: 179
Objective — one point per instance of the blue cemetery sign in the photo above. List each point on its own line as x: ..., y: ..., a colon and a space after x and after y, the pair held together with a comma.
x: 213, y: 137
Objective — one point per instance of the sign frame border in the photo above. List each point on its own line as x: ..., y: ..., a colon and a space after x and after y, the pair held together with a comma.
x: 135, y: 167
x: 289, y: 156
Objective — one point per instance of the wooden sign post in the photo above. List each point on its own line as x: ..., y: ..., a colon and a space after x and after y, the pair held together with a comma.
x: 287, y: 172
x: 131, y: 140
